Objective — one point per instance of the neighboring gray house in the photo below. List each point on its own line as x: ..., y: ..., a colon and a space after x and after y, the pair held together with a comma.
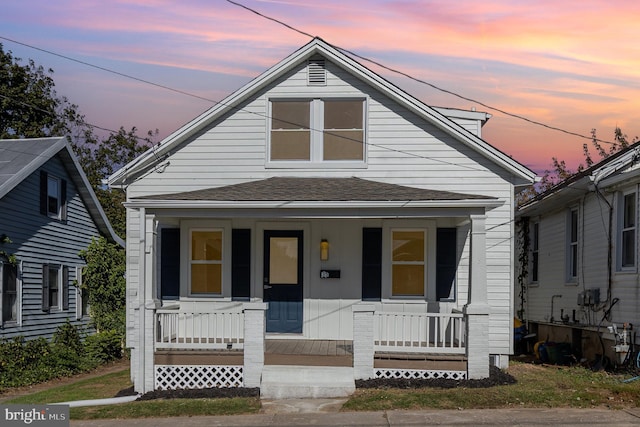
x: 50, y: 212
x: 319, y: 225
x: 580, y: 275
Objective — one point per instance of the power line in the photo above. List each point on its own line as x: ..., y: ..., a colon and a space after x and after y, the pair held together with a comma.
x: 402, y: 73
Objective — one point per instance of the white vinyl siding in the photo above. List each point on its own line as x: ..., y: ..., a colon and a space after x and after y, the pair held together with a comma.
x: 402, y: 149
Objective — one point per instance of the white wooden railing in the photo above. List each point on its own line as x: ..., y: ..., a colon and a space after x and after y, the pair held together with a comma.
x: 199, y: 330
x: 419, y: 332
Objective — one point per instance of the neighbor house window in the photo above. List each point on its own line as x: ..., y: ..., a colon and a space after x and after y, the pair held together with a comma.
x: 572, y: 245
x: 82, y: 295
x: 627, y: 231
x: 51, y: 287
x: 53, y: 194
x: 9, y: 289
x: 408, y: 262
x: 535, y: 251
x: 317, y: 130
x: 206, y: 262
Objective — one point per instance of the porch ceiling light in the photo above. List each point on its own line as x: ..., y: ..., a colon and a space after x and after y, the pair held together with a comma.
x: 324, y: 250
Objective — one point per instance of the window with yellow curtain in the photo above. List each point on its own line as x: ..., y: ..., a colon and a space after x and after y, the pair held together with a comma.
x: 206, y: 261
x: 408, y: 262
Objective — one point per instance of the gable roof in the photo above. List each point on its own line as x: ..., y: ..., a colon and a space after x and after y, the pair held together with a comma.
x: 605, y: 172
x: 316, y: 192
x: 318, y: 46
x: 19, y: 158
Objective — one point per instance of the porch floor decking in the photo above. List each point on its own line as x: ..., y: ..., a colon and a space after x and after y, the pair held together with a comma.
x: 308, y: 352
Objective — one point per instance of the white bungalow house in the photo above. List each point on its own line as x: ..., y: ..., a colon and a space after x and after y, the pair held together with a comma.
x: 578, y: 278
x: 319, y: 216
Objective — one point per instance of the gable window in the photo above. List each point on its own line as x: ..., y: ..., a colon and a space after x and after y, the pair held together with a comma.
x: 572, y: 245
x: 9, y: 290
x: 206, y: 262
x: 627, y: 231
x: 317, y: 130
x: 53, y: 194
x: 535, y: 251
x: 408, y: 262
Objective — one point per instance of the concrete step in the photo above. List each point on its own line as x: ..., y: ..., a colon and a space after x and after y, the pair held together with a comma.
x: 295, y: 381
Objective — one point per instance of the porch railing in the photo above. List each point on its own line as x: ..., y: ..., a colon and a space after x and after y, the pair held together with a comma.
x: 419, y: 332
x: 199, y: 330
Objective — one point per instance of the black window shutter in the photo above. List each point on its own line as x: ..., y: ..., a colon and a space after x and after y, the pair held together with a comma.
x: 65, y: 287
x: 45, y: 287
x: 446, y: 264
x: 241, y: 264
x: 63, y: 199
x: 371, y: 264
x: 43, y: 192
x: 170, y: 263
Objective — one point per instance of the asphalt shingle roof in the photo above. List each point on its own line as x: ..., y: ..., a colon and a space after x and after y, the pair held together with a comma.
x: 315, y: 190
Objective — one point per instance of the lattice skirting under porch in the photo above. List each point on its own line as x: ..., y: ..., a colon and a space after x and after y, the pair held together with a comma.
x: 418, y: 374
x: 175, y: 377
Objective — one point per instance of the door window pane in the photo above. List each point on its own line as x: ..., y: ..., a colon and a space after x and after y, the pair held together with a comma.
x: 283, y: 260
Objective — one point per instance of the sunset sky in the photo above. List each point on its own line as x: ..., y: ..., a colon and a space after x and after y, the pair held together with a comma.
x: 573, y: 65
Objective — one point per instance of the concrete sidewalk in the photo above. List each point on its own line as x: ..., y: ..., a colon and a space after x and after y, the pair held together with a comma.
x: 480, y: 417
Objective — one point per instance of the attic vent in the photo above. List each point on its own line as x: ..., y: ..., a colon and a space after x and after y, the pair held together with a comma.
x: 316, y: 73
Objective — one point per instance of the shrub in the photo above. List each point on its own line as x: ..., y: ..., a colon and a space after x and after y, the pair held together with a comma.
x: 104, y: 346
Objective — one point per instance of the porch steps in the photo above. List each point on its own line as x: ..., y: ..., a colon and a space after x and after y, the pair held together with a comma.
x: 295, y: 381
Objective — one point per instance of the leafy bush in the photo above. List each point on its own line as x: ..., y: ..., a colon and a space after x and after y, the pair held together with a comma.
x: 104, y: 346
x: 25, y: 362
x: 104, y: 281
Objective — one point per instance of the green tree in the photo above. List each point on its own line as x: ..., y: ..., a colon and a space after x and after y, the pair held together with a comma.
x: 29, y: 104
x: 30, y: 107
x: 103, y: 279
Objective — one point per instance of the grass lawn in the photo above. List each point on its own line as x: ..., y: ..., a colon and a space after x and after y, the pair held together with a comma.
x: 538, y: 386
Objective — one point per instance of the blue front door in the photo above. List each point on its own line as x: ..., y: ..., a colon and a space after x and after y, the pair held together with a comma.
x: 283, y: 280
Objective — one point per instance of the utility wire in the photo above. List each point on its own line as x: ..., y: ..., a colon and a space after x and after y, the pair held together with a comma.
x: 402, y: 73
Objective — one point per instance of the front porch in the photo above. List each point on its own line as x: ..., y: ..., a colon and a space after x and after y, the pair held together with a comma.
x: 203, y: 350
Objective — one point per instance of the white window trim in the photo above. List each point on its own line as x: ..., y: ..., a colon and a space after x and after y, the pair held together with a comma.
x: 620, y: 228
x: 429, y: 227
x: 570, y: 279
x: 186, y: 227
x: 316, y: 125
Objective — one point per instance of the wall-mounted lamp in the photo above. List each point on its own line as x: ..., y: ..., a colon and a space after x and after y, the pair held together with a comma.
x: 324, y: 250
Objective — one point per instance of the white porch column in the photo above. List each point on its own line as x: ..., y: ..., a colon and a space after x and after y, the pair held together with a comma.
x: 477, y: 308
x: 148, y: 304
x: 254, y: 331
x: 363, y: 341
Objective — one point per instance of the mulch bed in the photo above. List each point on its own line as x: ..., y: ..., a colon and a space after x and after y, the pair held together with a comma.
x: 202, y: 393
x: 496, y: 377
